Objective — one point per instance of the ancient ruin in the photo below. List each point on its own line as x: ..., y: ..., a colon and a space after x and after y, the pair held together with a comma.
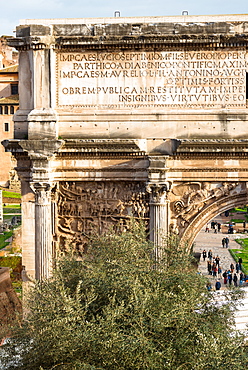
x: 10, y: 304
x: 128, y: 117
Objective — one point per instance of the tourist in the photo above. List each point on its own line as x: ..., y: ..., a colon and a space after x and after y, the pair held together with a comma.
x: 241, y: 278
x: 232, y: 267
x: 209, y: 286
x: 214, y: 270
x: 219, y: 271
x: 215, y: 228
x: 230, y: 229
x: 225, y: 276
x: 235, y: 280
x: 217, y: 285
x: 237, y: 268
x: 229, y: 277
x: 204, y: 255
x: 219, y: 227
x: 227, y: 242
x: 207, y: 228
x: 240, y: 263
x: 223, y: 242
x: 209, y: 268
x: 210, y: 254
x: 217, y: 260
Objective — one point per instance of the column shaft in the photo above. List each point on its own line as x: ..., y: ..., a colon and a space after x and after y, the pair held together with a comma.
x: 159, y: 214
x: 43, y: 233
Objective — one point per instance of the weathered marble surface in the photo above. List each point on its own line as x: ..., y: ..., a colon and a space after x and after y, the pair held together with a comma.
x: 143, y: 117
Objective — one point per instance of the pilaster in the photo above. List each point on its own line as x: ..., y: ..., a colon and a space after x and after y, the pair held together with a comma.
x: 34, y: 167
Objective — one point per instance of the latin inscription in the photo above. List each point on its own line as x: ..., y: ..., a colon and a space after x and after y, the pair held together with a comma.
x: 100, y: 80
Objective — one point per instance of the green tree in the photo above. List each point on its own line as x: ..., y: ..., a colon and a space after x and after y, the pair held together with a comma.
x: 117, y: 309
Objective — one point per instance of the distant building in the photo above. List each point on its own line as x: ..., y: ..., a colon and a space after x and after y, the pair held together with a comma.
x: 8, y: 56
x: 9, y: 102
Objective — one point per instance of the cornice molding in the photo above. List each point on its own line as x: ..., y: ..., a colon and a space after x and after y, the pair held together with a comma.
x: 207, y: 154
x: 89, y: 169
x: 129, y: 41
x: 194, y: 169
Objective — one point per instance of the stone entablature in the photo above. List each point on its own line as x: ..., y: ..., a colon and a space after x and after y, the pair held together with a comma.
x: 134, y: 73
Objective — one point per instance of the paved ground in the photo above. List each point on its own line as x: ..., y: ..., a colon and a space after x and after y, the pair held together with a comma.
x: 212, y: 241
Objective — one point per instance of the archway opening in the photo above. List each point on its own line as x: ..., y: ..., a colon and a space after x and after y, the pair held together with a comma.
x: 210, y: 213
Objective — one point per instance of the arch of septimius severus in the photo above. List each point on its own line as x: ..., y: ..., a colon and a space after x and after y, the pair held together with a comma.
x: 121, y: 117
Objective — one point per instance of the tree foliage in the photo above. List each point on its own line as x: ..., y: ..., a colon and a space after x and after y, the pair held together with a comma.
x: 117, y: 309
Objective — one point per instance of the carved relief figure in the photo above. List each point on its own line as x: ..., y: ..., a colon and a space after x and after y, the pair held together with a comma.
x: 191, y: 198
x: 85, y: 208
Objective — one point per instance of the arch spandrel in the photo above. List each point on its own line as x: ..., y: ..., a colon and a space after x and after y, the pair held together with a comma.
x: 193, y: 204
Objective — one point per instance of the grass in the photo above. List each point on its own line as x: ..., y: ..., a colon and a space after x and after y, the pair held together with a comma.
x: 241, y: 209
x: 11, y: 210
x: 10, y: 194
x: 237, y: 220
x: 242, y: 252
x: 6, y: 235
x: 7, y: 218
x: 13, y: 206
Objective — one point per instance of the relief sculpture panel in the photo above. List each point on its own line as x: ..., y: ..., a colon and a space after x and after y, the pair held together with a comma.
x: 85, y: 208
x: 189, y: 199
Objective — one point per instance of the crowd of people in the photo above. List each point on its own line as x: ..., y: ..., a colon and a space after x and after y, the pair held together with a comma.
x: 232, y: 276
x: 216, y: 226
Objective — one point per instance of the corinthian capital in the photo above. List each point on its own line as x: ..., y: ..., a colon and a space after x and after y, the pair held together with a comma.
x: 158, y: 192
x: 42, y: 193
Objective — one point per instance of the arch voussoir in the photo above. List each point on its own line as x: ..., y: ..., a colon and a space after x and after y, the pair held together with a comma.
x: 208, y: 213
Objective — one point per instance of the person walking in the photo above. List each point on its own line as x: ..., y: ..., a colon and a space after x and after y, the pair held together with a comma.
x: 209, y: 268
x: 235, y: 280
x: 219, y: 271
x: 237, y: 268
x: 223, y: 241
x: 225, y: 276
x: 240, y: 263
x: 210, y: 255
x: 217, y: 285
x: 227, y: 241
x: 214, y: 270
x: 217, y: 260
x: 204, y: 255
x: 241, y: 278
x: 215, y: 228
x: 229, y: 277
x: 232, y: 267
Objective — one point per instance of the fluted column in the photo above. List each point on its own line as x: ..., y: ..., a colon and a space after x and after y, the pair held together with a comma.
x: 43, y: 231
x: 158, y: 215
